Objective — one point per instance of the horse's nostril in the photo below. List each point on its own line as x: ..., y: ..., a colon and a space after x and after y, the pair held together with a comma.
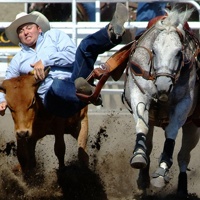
x: 163, y: 97
x: 170, y: 88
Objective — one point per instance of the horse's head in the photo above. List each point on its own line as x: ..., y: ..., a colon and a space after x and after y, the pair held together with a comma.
x: 169, y: 51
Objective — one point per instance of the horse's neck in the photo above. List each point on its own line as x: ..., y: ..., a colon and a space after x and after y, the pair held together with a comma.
x: 144, y: 47
x: 192, y: 45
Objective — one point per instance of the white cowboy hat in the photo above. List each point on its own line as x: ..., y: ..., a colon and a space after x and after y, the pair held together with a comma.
x: 23, y: 18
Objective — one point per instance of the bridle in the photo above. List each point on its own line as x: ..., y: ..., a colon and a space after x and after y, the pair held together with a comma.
x: 184, y: 65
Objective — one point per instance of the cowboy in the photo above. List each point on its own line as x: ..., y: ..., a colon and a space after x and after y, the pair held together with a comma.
x: 42, y: 47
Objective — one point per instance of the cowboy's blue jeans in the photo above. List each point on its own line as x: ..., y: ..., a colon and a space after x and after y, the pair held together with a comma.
x: 61, y: 98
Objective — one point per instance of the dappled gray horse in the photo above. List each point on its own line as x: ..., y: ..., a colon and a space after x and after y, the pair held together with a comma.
x: 161, y: 90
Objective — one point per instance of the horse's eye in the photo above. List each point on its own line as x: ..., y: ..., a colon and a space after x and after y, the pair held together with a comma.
x: 179, y: 54
x: 153, y: 52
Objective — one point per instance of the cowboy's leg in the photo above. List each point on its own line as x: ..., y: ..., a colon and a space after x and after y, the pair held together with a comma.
x: 110, y: 37
x: 88, y: 50
x: 61, y: 98
x: 99, y: 42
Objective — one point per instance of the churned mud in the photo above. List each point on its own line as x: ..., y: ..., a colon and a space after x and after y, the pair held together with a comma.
x: 109, y: 175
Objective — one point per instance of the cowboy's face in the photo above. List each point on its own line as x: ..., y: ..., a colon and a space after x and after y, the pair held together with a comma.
x: 28, y: 34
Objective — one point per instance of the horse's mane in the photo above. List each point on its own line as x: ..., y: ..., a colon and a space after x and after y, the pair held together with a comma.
x: 174, y: 19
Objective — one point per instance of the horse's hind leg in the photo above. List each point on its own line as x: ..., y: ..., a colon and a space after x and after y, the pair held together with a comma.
x: 190, y: 139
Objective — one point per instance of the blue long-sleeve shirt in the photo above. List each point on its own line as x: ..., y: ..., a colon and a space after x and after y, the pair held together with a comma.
x: 55, y: 48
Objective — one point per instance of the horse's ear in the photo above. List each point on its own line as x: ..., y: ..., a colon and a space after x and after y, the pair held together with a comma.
x: 180, y: 28
x: 184, y: 16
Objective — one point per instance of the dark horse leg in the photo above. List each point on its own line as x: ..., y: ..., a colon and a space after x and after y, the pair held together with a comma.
x: 190, y: 139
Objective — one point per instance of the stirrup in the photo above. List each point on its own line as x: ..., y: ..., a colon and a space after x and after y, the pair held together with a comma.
x: 102, y: 74
x: 113, y: 67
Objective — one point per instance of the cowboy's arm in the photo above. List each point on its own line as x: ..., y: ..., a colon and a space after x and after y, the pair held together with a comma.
x: 13, y: 68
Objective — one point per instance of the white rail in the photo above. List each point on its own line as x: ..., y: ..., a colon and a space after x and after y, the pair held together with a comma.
x: 78, y: 30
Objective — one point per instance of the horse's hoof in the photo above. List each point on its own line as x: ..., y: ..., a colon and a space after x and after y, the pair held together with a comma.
x: 158, y: 182
x: 83, y: 157
x: 182, y: 185
x: 139, y: 160
x: 160, y: 178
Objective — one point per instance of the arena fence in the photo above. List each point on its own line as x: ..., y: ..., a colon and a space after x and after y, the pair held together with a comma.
x: 77, y: 31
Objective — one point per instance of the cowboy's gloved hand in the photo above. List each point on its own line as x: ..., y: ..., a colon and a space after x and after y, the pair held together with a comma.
x: 38, y: 70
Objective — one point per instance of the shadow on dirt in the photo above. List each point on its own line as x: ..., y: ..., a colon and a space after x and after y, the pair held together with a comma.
x: 168, y: 197
x: 79, y: 182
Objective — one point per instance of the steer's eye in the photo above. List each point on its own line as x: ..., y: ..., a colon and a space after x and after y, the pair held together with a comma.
x: 32, y: 103
x: 10, y: 108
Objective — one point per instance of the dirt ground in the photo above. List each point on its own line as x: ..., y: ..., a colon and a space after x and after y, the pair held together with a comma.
x: 110, y: 145
x: 109, y: 176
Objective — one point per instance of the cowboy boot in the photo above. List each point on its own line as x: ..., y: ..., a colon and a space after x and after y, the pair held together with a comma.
x: 116, y: 27
x: 86, y: 90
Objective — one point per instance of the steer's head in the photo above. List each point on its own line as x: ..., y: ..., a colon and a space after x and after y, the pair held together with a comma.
x: 22, y: 101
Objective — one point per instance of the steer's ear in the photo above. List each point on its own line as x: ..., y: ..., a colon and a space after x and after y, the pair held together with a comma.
x: 2, y: 88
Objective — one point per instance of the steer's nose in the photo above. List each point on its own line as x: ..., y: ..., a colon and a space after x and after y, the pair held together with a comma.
x: 22, y: 134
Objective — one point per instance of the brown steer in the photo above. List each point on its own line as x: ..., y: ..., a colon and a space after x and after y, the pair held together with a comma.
x: 33, y: 122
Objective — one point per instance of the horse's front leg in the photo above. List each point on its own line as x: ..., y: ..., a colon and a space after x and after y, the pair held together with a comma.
x: 139, y: 159
x: 178, y: 116
x: 143, y: 181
